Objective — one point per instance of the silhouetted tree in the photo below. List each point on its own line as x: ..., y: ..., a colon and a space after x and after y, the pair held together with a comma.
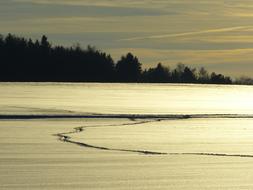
x: 176, y: 74
x: 220, y: 79
x: 128, y: 68
x: 158, y: 74
x: 244, y: 80
x: 28, y: 60
x: 188, y: 75
x: 203, y: 76
x: 25, y: 60
x: 180, y: 68
x: 44, y: 43
x: 1, y: 41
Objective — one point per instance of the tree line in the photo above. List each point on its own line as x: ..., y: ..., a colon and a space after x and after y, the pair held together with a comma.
x: 27, y: 60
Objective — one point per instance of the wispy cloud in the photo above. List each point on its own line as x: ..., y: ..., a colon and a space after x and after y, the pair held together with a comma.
x: 40, y: 9
x: 218, y: 30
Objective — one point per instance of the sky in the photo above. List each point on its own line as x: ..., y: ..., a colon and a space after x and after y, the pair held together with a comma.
x: 217, y: 34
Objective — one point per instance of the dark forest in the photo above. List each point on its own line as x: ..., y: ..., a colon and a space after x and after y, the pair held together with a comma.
x: 26, y: 60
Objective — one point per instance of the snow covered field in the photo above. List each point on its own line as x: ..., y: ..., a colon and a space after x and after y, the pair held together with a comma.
x: 201, y: 152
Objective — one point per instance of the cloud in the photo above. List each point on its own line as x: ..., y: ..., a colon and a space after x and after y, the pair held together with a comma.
x: 18, y: 10
x: 218, y: 30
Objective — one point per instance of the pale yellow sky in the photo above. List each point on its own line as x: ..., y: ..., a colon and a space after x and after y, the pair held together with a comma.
x: 213, y: 33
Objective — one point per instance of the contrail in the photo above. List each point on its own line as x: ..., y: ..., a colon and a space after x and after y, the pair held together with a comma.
x: 218, y: 30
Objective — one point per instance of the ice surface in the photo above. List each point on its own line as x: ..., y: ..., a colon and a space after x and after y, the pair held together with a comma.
x: 200, y: 152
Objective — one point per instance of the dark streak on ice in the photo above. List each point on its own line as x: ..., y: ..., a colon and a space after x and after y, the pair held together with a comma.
x: 65, y: 138
x: 127, y: 116
x: 214, y: 154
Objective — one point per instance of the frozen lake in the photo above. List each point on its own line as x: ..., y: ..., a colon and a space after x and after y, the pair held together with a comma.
x: 211, y: 148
